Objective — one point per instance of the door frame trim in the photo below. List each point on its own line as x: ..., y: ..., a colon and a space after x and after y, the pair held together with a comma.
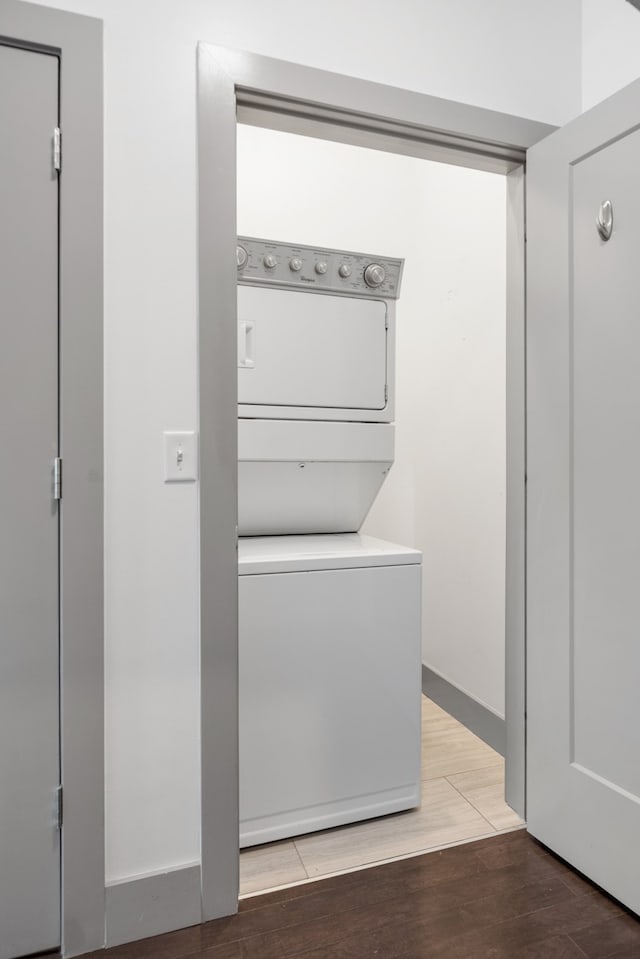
x: 77, y: 41
x: 235, y: 85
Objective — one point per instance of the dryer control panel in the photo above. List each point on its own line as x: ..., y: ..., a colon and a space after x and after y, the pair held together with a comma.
x: 315, y: 268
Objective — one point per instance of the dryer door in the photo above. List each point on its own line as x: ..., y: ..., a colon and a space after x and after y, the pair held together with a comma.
x: 311, y: 350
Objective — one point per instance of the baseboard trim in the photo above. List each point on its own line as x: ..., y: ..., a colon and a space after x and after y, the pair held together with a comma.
x: 152, y: 905
x: 472, y: 714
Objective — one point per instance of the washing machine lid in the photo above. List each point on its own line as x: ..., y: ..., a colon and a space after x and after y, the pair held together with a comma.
x: 291, y: 554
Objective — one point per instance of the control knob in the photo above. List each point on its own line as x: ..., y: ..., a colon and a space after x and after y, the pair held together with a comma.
x: 344, y: 270
x: 295, y: 264
x: 241, y: 257
x: 374, y: 275
x: 270, y: 261
x: 321, y: 267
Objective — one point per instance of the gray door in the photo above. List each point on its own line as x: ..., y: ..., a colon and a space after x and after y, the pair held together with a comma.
x: 583, y: 603
x: 29, y: 630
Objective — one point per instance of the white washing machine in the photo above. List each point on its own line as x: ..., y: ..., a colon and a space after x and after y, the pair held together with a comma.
x: 330, y: 682
x: 330, y: 634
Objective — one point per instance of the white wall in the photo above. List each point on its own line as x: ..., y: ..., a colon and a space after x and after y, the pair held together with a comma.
x: 610, y: 48
x: 446, y: 492
x: 509, y: 55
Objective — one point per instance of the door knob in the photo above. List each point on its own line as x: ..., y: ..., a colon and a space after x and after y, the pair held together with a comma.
x: 604, y: 220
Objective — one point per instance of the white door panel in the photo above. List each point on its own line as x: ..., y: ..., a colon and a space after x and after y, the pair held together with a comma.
x: 29, y: 629
x: 583, y: 652
x: 606, y: 471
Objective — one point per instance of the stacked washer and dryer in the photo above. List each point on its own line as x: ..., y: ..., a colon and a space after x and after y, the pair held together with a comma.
x: 330, y: 634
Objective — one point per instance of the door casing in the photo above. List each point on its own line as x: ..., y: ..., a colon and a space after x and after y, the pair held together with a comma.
x: 77, y: 42
x: 235, y: 85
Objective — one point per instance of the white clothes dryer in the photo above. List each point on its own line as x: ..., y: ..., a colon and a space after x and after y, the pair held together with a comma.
x: 316, y: 385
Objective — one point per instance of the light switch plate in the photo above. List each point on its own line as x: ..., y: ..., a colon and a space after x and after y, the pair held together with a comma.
x: 180, y: 457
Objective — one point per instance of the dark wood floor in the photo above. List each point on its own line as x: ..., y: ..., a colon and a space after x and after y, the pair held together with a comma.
x: 500, y: 898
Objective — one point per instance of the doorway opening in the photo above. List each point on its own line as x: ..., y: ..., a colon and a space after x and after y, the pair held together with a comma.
x: 445, y: 495
x: 239, y: 86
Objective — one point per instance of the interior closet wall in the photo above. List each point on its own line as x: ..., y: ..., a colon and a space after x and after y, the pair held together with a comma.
x: 446, y: 492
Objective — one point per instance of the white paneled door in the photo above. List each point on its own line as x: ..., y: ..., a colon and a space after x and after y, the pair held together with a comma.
x: 583, y: 362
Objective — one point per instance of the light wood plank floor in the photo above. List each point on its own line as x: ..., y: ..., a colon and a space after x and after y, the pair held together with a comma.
x: 462, y: 799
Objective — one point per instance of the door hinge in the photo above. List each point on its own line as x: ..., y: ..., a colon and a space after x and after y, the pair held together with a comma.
x: 57, y: 149
x: 57, y: 478
x: 59, y: 806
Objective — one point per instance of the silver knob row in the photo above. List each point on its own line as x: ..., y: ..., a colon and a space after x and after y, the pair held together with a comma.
x: 374, y: 273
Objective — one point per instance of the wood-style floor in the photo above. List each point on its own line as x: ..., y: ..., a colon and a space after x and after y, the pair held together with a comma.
x: 504, y: 897
x: 462, y: 799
